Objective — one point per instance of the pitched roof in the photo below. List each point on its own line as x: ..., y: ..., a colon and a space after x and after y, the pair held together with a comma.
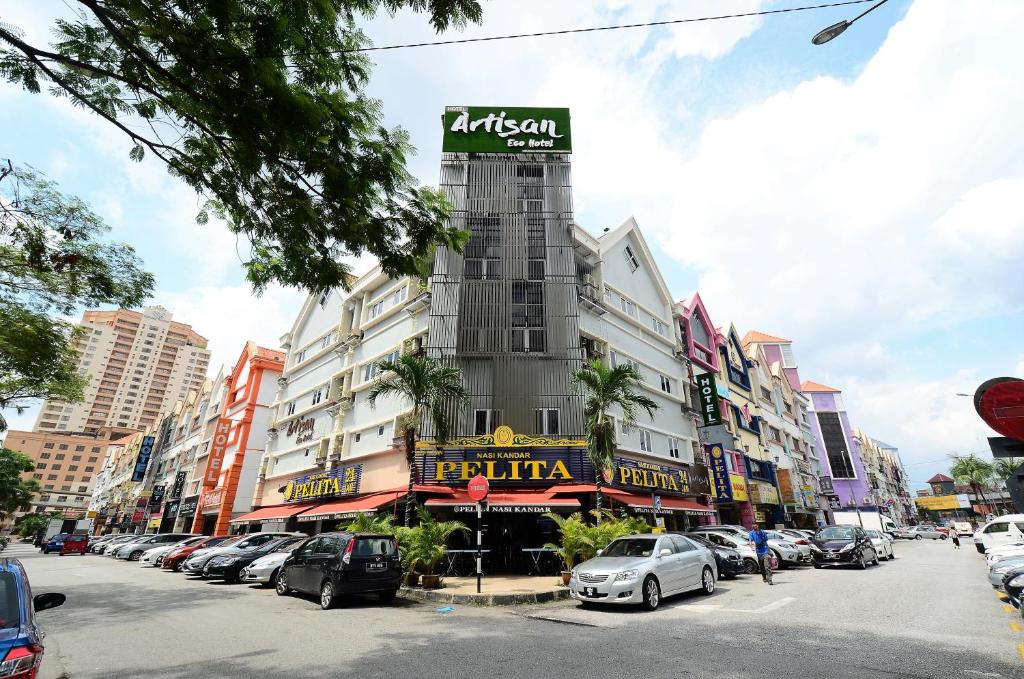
x: 272, y: 354
x: 814, y: 387
x: 939, y: 478
x: 763, y: 338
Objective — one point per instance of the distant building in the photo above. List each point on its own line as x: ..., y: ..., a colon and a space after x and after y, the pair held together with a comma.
x: 139, y: 364
x: 942, y: 485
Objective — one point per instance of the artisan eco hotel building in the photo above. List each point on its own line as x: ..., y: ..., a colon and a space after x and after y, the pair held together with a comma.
x: 529, y: 300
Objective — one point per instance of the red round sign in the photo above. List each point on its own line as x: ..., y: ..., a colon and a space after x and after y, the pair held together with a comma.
x: 478, y: 488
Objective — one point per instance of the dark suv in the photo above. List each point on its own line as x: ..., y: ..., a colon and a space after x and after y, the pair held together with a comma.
x: 334, y: 564
x: 842, y: 545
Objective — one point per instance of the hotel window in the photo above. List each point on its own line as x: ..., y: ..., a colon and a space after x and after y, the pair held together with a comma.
x: 485, y: 421
x: 766, y: 394
x: 48, y: 445
x: 548, y: 421
x: 324, y: 297
x: 380, y: 430
x: 528, y: 316
x: 666, y: 384
x: 290, y: 408
x: 658, y: 326
x: 627, y: 307
x: 318, y: 395
x: 673, y: 447
x: 645, y: 440
x: 40, y: 465
x: 51, y: 477
x: 326, y: 340
x: 483, y: 252
x: 377, y: 309
x: 399, y: 295
x: 359, y: 435
x: 536, y: 248
x: 631, y: 259
x: 301, y: 356
x: 44, y: 456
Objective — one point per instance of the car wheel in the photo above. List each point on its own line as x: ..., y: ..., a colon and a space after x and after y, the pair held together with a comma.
x: 944, y: 537
x: 230, y: 578
x: 876, y: 559
x: 273, y: 578
x: 918, y: 537
x: 707, y: 581
x: 651, y: 593
x: 387, y: 596
x: 327, y: 597
x: 751, y: 566
x: 177, y: 567
x: 135, y: 556
x: 281, y: 584
x: 817, y: 565
x: 863, y: 562
x: 892, y: 555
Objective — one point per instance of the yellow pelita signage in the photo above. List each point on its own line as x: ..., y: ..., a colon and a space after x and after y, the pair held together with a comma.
x: 335, y: 483
x: 938, y: 502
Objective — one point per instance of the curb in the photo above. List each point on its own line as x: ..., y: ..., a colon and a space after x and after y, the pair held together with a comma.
x: 52, y: 666
x: 440, y: 596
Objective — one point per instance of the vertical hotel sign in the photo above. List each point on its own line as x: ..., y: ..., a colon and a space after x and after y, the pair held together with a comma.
x: 506, y: 129
x: 721, y: 487
x: 219, y: 444
x: 142, y: 461
x: 708, y: 394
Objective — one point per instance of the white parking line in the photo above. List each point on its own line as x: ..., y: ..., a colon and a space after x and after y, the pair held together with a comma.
x: 764, y: 609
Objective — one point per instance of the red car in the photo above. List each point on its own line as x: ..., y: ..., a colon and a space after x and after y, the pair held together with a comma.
x: 174, y: 558
x: 74, y: 544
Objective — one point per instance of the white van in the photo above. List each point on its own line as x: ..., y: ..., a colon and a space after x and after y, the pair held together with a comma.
x: 1002, y: 530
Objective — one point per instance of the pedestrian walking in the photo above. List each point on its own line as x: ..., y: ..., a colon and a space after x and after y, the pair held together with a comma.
x: 954, y: 535
x: 764, y: 555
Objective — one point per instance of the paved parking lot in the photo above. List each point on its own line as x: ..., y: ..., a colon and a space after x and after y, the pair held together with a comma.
x: 930, y: 613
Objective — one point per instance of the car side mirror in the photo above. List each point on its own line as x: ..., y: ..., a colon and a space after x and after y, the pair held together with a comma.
x: 600, y: 552
x: 664, y: 552
x: 41, y: 602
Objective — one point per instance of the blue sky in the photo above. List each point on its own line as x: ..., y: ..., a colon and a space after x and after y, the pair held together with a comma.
x: 860, y: 198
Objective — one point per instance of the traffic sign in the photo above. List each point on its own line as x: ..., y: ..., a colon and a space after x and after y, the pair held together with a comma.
x: 478, y: 488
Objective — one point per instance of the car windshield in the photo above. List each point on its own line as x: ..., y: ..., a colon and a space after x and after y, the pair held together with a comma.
x: 700, y: 539
x: 630, y: 547
x: 835, y: 533
x: 873, y: 534
x: 10, y: 610
x: 287, y: 545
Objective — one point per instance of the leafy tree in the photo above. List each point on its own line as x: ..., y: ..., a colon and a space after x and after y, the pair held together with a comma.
x: 432, y: 388
x: 1004, y: 468
x: 30, y: 524
x: 973, y: 471
x: 15, y: 492
x: 369, y: 523
x: 52, y: 262
x: 424, y: 546
x: 574, y: 540
x: 605, y: 388
x: 260, y: 106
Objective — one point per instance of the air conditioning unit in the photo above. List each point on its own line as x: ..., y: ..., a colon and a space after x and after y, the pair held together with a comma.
x: 264, y: 467
x: 337, y: 446
x: 321, y: 454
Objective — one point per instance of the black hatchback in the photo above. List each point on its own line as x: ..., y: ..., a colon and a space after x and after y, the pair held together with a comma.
x: 842, y: 545
x: 336, y: 564
x: 729, y: 562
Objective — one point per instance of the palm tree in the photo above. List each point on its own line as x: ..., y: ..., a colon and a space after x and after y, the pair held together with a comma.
x: 1005, y: 467
x: 368, y: 523
x: 973, y: 471
x: 604, y: 388
x: 432, y: 388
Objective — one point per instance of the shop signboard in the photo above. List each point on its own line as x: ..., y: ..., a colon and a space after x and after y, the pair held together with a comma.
x: 762, y: 493
x: 825, y: 483
x: 171, y: 509
x: 505, y: 509
x: 301, y: 429
x: 698, y: 476
x: 708, y: 393
x: 157, y: 497
x: 188, y: 506
x: 739, y: 487
x: 142, y: 461
x: 720, y: 483
x: 179, y: 485
x: 506, y: 129
x: 339, y: 482
x: 218, y: 446
x: 140, y: 510
x: 938, y: 502
x: 648, y: 477
x: 808, y: 493
x: 789, y: 497
x: 834, y: 503
x: 506, y: 467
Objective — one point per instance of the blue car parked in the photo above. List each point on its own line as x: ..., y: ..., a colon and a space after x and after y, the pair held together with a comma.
x: 54, y: 545
x: 21, y: 649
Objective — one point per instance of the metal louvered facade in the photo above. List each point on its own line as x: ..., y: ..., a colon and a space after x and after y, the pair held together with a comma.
x: 505, y: 312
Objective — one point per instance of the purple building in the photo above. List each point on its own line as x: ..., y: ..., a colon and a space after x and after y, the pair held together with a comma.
x: 842, y: 458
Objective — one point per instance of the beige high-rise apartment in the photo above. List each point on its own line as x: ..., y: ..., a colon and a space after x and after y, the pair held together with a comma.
x: 139, y: 363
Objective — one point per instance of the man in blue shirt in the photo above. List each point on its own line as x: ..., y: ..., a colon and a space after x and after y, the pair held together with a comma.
x: 764, y: 555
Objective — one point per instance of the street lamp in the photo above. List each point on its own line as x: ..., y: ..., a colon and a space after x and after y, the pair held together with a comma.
x: 835, y: 30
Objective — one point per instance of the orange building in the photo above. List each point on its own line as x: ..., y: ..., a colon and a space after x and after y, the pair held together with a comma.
x: 230, y: 465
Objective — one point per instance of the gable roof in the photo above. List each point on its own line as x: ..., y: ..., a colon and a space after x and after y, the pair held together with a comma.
x: 939, y: 478
x: 607, y: 240
x: 814, y: 387
x: 763, y: 338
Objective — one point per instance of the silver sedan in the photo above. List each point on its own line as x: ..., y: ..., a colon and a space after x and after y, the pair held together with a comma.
x: 643, y: 569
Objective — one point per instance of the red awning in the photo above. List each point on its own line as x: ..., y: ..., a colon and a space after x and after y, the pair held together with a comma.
x: 573, y: 488
x: 347, y: 508
x: 513, y: 501
x: 273, y: 513
x: 668, y: 502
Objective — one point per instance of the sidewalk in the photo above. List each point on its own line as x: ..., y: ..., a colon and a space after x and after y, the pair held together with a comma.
x: 496, y: 590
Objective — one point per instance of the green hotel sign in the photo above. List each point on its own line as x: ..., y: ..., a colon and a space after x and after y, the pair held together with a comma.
x: 496, y: 129
x: 708, y: 398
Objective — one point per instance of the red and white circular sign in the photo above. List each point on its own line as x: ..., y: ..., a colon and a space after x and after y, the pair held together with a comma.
x: 478, y: 488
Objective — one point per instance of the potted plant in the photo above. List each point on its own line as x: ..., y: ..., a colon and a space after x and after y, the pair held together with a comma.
x: 426, y: 546
x: 574, y: 540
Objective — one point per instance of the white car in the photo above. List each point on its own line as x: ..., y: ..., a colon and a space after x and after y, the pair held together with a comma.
x: 1000, y: 553
x: 799, y: 542
x: 882, y: 544
x: 154, y: 557
x: 264, y: 570
x: 1002, y: 530
x: 742, y: 545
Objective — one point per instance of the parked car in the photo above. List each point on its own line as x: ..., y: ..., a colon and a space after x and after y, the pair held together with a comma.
x: 998, y: 570
x: 264, y: 569
x: 728, y: 560
x: 155, y: 556
x: 724, y: 528
x: 133, y: 551
x: 76, y: 543
x: 336, y: 564
x: 842, y: 545
x: 787, y: 550
x: 1002, y: 530
x: 103, y: 547
x: 643, y: 569
x: 1002, y: 552
x: 1014, y: 586
x: 964, y: 528
x: 742, y: 545
x: 54, y: 544
x: 21, y: 642
x: 197, y: 561
x: 902, y: 533
x: 881, y: 543
x: 175, y: 559
x: 228, y: 564
x: 97, y: 540
x: 921, y: 532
